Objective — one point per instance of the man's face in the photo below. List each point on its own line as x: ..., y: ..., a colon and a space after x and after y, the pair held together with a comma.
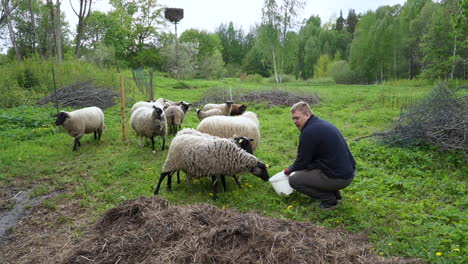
x: 299, y: 119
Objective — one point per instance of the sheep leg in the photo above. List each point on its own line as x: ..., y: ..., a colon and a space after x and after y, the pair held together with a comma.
x: 237, y: 181
x: 223, y: 181
x: 178, y: 177
x: 77, y: 142
x: 164, y: 142
x: 161, y: 178
x: 169, y: 181
x: 214, y: 179
x: 99, y: 132
x: 152, y: 143
x: 95, y: 135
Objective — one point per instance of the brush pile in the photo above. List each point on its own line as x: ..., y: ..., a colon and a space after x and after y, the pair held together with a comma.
x: 82, y: 94
x: 150, y: 230
x: 273, y: 97
x: 439, y: 119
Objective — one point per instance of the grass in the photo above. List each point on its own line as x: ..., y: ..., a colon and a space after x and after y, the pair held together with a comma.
x: 410, y: 201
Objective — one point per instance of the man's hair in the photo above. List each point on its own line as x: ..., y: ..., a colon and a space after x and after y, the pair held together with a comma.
x: 301, y: 106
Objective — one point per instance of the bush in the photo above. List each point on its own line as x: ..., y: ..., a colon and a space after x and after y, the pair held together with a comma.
x: 341, y: 72
x: 256, y: 78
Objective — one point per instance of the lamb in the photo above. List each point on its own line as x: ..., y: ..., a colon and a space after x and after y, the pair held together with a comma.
x: 238, y: 109
x: 246, y: 125
x: 150, y: 122
x: 203, y: 156
x: 175, y: 115
x: 82, y: 121
x: 150, y: 104
x: 204, y: 114
x: 225, y: 108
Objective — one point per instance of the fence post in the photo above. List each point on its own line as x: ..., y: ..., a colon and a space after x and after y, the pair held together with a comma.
x: 122, y: 109
x: 55, y: 89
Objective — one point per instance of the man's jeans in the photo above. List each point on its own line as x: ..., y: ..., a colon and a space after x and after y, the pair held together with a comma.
x: 317, y: 185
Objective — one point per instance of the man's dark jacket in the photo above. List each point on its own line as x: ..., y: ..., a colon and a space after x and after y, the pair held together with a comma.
x: 321, y: 146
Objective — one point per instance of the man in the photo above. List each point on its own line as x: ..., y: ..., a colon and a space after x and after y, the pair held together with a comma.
x: 324, y: 163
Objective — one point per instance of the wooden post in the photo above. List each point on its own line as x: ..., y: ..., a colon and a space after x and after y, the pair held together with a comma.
x: 55, y: 90
x: 122, y: 109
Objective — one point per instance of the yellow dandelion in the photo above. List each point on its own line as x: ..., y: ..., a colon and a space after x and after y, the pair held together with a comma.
x: 456, y: 249
x: 357, y: 199
x: 289, y: 207
x: 337, y: 221
x: 381, y: 253
x: 389, y: 244
x: 439, y: 254
x: 223, y: 207
x: 372, y: 248
x: 210, y: 194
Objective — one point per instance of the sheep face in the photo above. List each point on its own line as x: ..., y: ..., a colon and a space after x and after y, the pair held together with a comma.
x: 242, y: 109
x: 228, y: 103
x: 244, y: 143
x: 260, y: 170
x: 61, y: 117
x: 157, y: 111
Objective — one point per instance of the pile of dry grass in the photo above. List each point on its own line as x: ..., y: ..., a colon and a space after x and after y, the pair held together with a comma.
x: 149, y: 230
x: 273, y: 97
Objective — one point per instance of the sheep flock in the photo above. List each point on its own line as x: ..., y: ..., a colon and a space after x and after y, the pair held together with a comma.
x: 222, y: 145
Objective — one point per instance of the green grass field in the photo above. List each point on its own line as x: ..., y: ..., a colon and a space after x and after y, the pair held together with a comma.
x: 409, y: 201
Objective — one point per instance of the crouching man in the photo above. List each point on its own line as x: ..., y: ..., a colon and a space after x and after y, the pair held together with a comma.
x: 324, y: 163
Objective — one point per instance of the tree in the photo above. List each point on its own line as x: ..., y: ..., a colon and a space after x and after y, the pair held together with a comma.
x: 321, y: 70
x: 276, y: 21
x: 83, y: 16
x: 188, y: 65
x: 340, y: 22
x: 57, y: 31
x: 7, y: 14
x: 351, y: 21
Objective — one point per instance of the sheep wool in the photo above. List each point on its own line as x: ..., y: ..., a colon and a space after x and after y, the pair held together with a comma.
x: 175, y: 116
x: 80, y: 122
x: 149, y: 122
x: 204, y: 114
x: 245, y: 125
x: 225, y: 108
x: 157, y: 103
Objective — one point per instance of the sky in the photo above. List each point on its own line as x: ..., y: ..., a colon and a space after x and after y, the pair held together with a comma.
x: 209, y: 14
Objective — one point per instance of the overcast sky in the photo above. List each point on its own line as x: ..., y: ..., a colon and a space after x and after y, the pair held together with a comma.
x: 209, y: 14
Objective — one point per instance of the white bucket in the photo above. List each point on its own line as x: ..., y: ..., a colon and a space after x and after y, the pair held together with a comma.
x: 280, y: 183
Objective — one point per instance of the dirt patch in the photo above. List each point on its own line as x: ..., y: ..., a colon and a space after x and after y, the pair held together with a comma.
x: 149, y: 230
x: 20, y: 205
x: 273, y: 97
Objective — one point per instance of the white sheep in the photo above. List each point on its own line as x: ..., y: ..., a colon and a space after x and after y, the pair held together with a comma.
x: 175, y: 115
x: 204, y: 114
x: 158, y: 103
x: 150, y: 122
x: 82, y: 121
x: 225, y: 108
x: 200, y: 156
x: 244, y: 143
x: 246, y: 125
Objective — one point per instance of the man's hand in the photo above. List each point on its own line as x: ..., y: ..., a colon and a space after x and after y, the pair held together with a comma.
x: 286, y: 171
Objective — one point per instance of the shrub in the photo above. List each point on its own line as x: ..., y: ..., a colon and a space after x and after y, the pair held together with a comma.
x: 341, y: 72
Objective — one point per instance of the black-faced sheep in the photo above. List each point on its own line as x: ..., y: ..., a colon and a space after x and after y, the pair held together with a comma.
x: 238, y: 109
x: 246, y: 125
x: 83, y: 121
x: 150, y: 122
x: 225, y: 108
x: 175, y: 115
x: 200, y: 156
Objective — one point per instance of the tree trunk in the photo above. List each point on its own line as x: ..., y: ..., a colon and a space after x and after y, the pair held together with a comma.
x: 55, y: 17
x: 274, y: 65
x: 83, y: 15
x: 33, y: 24
x: 6, y: 7
x: 454, y: 54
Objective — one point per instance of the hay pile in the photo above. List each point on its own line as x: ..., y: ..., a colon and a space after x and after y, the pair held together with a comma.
x: 149, y: 230
x: 82, y: 94
x: 273, y: 97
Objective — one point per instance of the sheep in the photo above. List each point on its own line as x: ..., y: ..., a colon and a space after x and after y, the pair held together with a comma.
x: 238, y: 109
x: 80, y: 122
x: 225, y: 108
x: 150, y: 104
x: 150, y: 122
x: 175, y: 115
x: 203, y: 156
x: 246, y: 125
x: 204, y: 114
